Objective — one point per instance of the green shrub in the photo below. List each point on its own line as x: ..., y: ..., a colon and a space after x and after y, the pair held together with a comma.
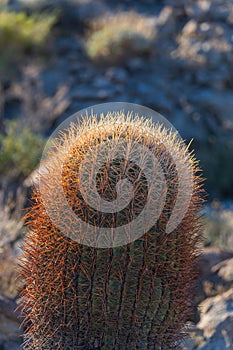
x: 20, y: 150
x: 115, y: 37
x: 26, y: 31
x: 20, y: 32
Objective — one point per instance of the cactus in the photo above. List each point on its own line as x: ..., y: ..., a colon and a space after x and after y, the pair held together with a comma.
x: 131, y: 296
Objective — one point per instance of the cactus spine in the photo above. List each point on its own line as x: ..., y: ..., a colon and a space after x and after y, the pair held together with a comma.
x: 134, y: 296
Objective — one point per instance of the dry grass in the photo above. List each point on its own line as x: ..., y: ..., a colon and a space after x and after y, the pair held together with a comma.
x: 119, y: 36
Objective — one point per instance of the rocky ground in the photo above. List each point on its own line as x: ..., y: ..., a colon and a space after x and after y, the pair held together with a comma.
x: 213, y: 329
x: 187, y: 76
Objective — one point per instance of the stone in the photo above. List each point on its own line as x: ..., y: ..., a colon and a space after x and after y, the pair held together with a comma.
x: 9, y: 324
x: 9, y: 269
x: 9, y: 345
x: 135, y: 64
x: 83, y: 93
x: 217, y: 321
x: 166, y: 23
x: 204, y: 43
x: 89, y: 9
x: 224, y: 270
x: 86, y: 75
x: 116, y: 74
x: 215, y: 10
x: 211, y: 257
x: 190, y: 28
x: 210, y: 283
x: 101, y: 82
x: 100, y: 89
x: 11, y: 228
x: 215, y: 102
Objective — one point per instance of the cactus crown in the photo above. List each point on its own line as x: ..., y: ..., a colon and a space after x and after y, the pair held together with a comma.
x: 131, y: 296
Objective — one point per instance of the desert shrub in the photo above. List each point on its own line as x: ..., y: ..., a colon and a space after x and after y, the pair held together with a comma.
x: 218, y: 229
x: 20, y: 150
x: 25, y: 31
x: 118, y: 36
x: 20, y: 32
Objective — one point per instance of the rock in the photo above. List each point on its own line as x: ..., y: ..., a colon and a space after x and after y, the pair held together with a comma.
x: 224, y: 270
x: 9, y: 251
x: 103, y: 94
x: 101, y: 83
x: 116, y: 74
x: 217, y: 321
x: 217, y: 79
x: 43, y: 98
x: 12, y: 202
x: 86, y: 75
x: 214, y: 10
x: 65, y: 45
x: 166, y: 23
x: 9, y: 345
x: 155, y: 98
x: 135, y: 64
x: 217, y: 103
x: 9, y: 324
x: 7, y: 308
x: 204, y: 43
x: 92, y: 92
x: 88, y: 10
x: 190, y: 28
x: 9, y: 229
x: 211, y: 257
x: 214, y: 273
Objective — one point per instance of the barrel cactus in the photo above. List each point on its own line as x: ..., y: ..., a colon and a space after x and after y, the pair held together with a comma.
x: 133, y: 293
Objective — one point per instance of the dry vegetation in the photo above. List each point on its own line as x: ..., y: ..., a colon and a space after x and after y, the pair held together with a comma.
x: 114, y: 37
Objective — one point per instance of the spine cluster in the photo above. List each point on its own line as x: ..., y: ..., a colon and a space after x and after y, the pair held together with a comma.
x: 132, y: 296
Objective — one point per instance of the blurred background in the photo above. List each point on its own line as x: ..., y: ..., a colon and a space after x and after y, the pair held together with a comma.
x: 174, y: 56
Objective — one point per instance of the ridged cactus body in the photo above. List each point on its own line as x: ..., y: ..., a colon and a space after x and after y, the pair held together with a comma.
x: 131, y: 296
